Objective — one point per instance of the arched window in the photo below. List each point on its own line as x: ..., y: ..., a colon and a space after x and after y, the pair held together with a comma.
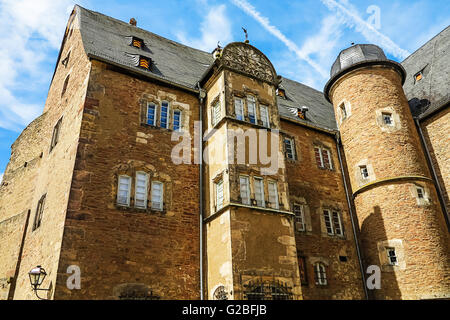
x: 320, y: 274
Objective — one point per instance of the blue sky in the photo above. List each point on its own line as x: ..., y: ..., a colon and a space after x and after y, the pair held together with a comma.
x: 302, y: 38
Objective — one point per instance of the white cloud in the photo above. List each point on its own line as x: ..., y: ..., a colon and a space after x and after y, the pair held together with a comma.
x: 265, y: 23
x: 30, y: 31
x: 1, y: 177
x: 215, y: 27
x: 352, y: 18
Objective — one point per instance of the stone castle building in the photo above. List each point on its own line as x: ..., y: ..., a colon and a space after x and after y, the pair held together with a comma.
x: 362, y: 178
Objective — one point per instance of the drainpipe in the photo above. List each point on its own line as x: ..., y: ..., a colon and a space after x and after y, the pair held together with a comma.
x: 201, y: 96
x: 433, y: 172
x: 349, y: 203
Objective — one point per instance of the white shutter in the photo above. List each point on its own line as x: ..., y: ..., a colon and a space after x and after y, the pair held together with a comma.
x: 219, y: 195
x: 123, y: 194
x: 141, y: 190
x: 157, y: 195
x: 245, y: 190
x: 273, y: 195
x: 259, y: 192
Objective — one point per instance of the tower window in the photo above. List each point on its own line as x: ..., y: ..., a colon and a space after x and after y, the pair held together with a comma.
x: 259, y: 192
x: 299, y: 218
x: 273, y: 194
x: 55, y: 136
x: 245, y: 190
x: 364, y: 172
x: 165, y: 115
x: 320, y: 274
x: 219, y: 195
x: 141, y: 190
x: 420, y: 192
x: 289, y: 148
x: 151, y: 114
x: 239, y: 108
x: 123, y: 194
x: 343, y: 111
x: 251, y: 105
x: 387, y: 119
x: 392, y: 257
x: 264, y: 116
x: 157, y: 195
x: 177, y: 120
x: 39, y: 212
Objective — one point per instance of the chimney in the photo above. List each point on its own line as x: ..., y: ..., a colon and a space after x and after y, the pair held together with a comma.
x: 133, y: 22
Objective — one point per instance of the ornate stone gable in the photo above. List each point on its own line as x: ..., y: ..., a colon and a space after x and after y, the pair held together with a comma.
x: 245, y: 58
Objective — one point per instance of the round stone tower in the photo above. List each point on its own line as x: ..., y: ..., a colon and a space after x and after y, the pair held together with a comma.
x: 402, y: 227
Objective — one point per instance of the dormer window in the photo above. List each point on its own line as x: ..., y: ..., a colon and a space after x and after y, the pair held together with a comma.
x: 418, y: 76
x: 137, y: 43
x: 144, y: 63
x: 281, y: 93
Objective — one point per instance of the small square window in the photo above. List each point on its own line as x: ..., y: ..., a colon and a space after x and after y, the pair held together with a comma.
x: 392, y: 256
x: 387, y: 119
x: 364, y: 172
x: 420, y: 193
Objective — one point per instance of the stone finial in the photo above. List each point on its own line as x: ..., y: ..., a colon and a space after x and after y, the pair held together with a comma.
x: 133, y: 22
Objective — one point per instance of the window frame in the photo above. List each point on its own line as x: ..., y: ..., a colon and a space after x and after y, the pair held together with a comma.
x: 136, y: 190
x: 251, y: 101
x: 327, y: 214
x: 263, y: 200
x: 179, y: 120
x: 364, y: 171
x: 388, y: 250
x: 161, y: 206
x: 265, y: 120
x: 300, y: 216
x: 320, y: 271
x: 239, y: 106
x: 422, y: 191
x: 155, y: 115
x: 391, y: 119
x: 277, y: 202
x: 247, y: 178
x: 219, y: 196
x: 161, y: 115
x: 130, y: 179
x: 340, y: 227
x: 216, y: 113
x: 292, y: 147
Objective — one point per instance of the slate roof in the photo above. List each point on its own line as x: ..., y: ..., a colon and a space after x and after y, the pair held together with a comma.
x: 108, y: 39
x: 433, y: 91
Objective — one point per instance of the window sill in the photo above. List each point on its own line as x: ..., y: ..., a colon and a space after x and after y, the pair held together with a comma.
x: 130, y: 209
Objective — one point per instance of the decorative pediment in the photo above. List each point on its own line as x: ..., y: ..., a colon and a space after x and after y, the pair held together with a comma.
x: 245, y: 58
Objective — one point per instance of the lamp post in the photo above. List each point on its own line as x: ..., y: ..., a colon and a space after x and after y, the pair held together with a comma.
x: 37, y: 276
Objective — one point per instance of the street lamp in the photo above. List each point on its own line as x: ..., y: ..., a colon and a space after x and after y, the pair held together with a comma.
x: 37, y: 276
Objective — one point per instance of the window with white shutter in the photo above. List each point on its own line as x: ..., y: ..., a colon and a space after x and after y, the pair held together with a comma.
x: 259, y: 192
x: 157, y: 196
x: 273, y: 194
x: 245, y: 190
x: 124, y: 189
x: 141, y: 190
x: 165, y: 115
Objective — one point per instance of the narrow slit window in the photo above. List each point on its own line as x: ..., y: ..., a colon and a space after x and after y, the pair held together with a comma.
x: 39, y: 213
x: 219, y: 195
x: 302, y: 270
x: 245, y: 190
x: 65, y: 85
x: 251, y: 105
x: 239, y: 108
x: 299, y: 218
x: 177, y: 120
x: 165, y: 115
x: 151, y: 114
x: 343, y: 112
x: 259, y: 192
x: 55, y: 135
x: 123, y: 194
x: 157, y: 196
x: 141, y: 190
x: 273, y: 194
x: 264, y: 116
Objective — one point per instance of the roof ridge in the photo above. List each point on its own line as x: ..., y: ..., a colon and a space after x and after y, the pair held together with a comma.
x: 144, y: 30
x: 429, y: 41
